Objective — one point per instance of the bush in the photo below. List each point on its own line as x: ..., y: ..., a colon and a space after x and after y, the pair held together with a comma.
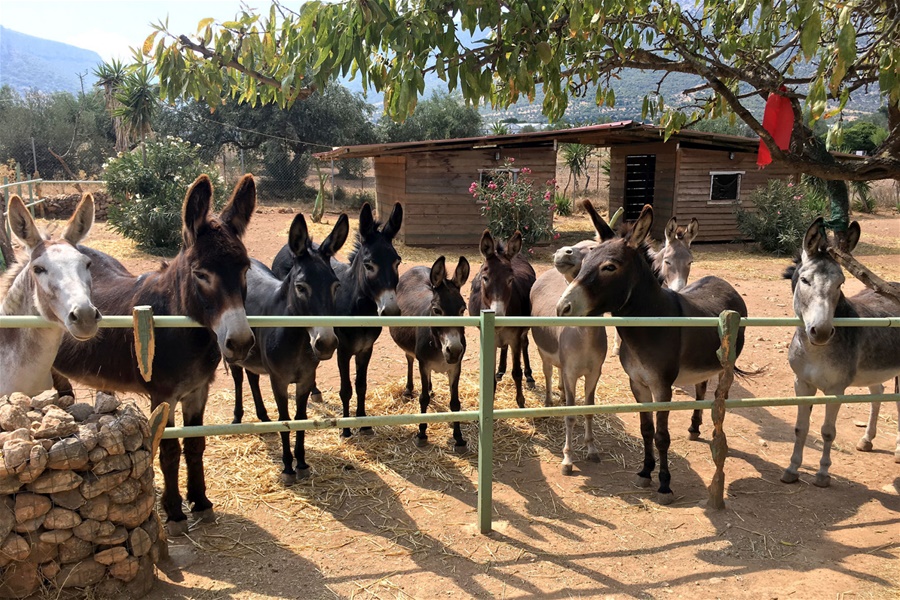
x: 563, y: 205
x: 356, y: 200
x: 511, y: 202
x: 781, y: 218
x: 148, y: 198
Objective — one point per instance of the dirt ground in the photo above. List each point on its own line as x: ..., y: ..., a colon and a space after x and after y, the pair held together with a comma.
x: 380, y: 518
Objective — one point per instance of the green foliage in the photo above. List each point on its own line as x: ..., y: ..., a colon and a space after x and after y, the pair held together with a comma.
x: 356, y: 200
x: 780, y: 220
x: 864, y: 136
x: 441, y: 117
x: 726, y: 125
x: 512, y: 202
x: 563, y: 204
x: 499, y: 128
x: 575, y: 157
x: 149, y: 195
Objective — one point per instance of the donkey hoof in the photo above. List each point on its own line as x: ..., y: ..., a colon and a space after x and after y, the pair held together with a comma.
x: 366, y: 431
x: 790, y: 477
x: 897, y: 457
x: 593, y: 457
x: 822, y: 481
x: 864, y: 445
x: 643, y: 482
x: 567, y: 469
x: 665, y: 499
x: 499, y: 375
x: 207, y: 516
x: 421, y: 442
x: 303, y: 473
x: 408, y: 393
x: 176, y: 528
x: 529, y: 383
x: 288, y: 478
x: 236, y: 421
x: 693, y: 435
x: 460, y: 448
x: 315, y: 397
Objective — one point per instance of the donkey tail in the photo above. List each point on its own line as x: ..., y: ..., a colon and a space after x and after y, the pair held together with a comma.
x: 749, y: 374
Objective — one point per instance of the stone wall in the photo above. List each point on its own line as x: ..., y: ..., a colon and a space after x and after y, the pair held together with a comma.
x: 61, y: 206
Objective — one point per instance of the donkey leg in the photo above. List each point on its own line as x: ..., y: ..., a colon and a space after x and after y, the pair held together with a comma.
x: 315, y: 393
x: 664, y: 494
x: 829, y: 432
x: 548, y: 381
x: 409, y: 391
x: 501, y: 366
x: 424, y: 400
x: 697, y: 417
x: 516, y: 349
x: 343, y: 360
x: 642, y: 394
x: 261, y: 413
x: 302, y: 398
x: 801, y: 430
x: 459, y: 442
x: 237, y: 375
x: 280, y: 391
x: 617, y: 342
x: 362, y: 369
x: 590, y: 389
x: 62, y: 385
x: 865, y: 443
x: 569, y: 392
x: 169, y: 459
x: 897, y: 447
x: 526, y: 361
x: 193, y: 406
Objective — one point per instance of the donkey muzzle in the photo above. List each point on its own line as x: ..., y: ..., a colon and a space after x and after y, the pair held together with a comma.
x: 323, y: 341
x: 452, y: 348
x: 234, y: 334
x: 83, y: 322
x: 387, y: 304
x: 820, y: 335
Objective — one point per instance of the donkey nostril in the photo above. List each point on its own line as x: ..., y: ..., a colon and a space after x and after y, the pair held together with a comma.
x: 812, y: 331
x: 565, y: 309
x: 97, y: 314
x: 73, y: 317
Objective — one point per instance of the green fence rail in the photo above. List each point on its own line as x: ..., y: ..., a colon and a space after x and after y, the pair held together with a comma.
x: 487, y: 323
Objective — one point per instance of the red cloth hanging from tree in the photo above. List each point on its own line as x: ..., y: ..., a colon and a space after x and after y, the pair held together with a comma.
x: 778, y: 120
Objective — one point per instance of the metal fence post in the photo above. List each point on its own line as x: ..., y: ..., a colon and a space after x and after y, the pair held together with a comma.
x: 729, y: 322
x: 144, y: 340
x: 486, y: 382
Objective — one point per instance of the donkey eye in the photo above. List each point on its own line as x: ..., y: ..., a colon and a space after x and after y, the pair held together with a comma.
x: 609, y: 268
x: 369, y: 267
x: 89, y: 264
x: 38, y: 270
x: 438, y: 311
x: 202, y: 276
x: 804, y: 281
x: 668, y: 262
x: 303, y: 289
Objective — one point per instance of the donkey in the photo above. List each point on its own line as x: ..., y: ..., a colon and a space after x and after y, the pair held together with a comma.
x: 291, y: 354
x: 428, y: 292
x: 503, y: 284
x: 832, y: 359
x: 206, y: 281
x: 54, y: 282
x: 368, y: 287
x: 616, y: 278
x: 577, y: 351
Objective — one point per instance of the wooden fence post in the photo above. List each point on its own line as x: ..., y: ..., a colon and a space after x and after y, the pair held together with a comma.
x: 729, y: 322
x: 486, y: 383
x: 144, y: 340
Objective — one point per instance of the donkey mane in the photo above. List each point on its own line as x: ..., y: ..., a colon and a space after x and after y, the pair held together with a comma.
x: 358, y: 241
x: 646, y: 249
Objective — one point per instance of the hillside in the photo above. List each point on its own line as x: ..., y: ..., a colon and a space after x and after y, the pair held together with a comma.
x: 33, y: 63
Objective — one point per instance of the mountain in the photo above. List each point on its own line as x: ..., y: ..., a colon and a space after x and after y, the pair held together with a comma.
x: 33, y: 63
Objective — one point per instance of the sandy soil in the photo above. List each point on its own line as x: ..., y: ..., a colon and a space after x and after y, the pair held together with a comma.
x: 380, y: 518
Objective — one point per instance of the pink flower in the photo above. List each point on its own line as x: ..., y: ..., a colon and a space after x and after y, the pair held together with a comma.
x: 555, y: 236
x: 526, y: 170
x: 492, y: 186
x: 510, y: 159
x: 547, y: 195
x: 790, y: 185
x: 473, y: 187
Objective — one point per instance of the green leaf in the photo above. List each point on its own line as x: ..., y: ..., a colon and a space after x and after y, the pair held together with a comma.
x: 204, y: 23
x: 545, y: 52
x: 810, y: 35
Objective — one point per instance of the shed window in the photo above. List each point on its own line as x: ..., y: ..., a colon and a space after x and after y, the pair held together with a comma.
x: 485, y: 176
x: 725, y: 186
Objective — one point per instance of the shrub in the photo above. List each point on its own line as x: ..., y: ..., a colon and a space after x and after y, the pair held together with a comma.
x: 780, y: 220
x: 148, y: 197
x: 356, y: 200
x: 563, y: 205
x: 512, y: 202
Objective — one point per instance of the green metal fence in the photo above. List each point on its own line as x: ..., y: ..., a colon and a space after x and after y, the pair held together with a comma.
x: 728, y: 323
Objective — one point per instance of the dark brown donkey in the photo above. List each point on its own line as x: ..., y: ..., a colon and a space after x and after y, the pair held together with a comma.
x: 616, y: 278
x: 424, y: 292
x: 206, y: 282
x: 503, y: 284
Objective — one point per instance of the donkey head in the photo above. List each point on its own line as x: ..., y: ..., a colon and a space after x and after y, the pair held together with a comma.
x: 217, y: 262
x: 376, y: 261
x: 817, y: 281
x: 447, y: 300
x: 611, y: 271
x: 675, y: 258
x: 313, y: 282
x: 60, y: 273
x: 568, y: 259
x: 496, y: 276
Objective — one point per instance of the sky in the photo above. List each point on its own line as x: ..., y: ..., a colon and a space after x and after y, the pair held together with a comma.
x: 111, y: 27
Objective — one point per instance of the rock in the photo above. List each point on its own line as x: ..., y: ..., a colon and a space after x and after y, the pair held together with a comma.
x: 37, y: 463
x: 29, y: 526
x: 9, y: 485
x: 118, y: 536
x: 95, y: 485
x: 20, y: 400
x: 55, y: 536
x: 7, y: 520
x: 13, y: 417
x: 61, y: 518
x: 125, y: 570
x: 133, y: 514
x: 105, y: 403
x: 23, y: 434
x: 71, y: 499
x: 65, y: 402
x: 56, y: 423
x: 31, y: 506
x: 34, y: 415
x: 140, y: 542
x: 44, y: 399
x: 133, y: 441
x: 47, y: 444
x: 147, y: 481
x: 50, y: 569
x: 89, y: 529
x: 120, y: 462
x: 152, y: 526
x: 111, y: 555
x: 42, y: 551
x: 89, y: 435
x: 85, y: 573
x: 80, y: 411
x: 140, y: 460
x: 15, y: 547
x: 74, y: 549
x: 97, y: 454
x: 112, y: 439
x: 15, y: 457
x: 20, y: 579
x: 95, y: 508
x: 125, y: 493
x: 55, y: 481
x: 68, y: 453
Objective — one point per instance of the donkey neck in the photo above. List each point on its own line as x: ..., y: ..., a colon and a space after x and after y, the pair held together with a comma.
x: 19, y: 296
x: 647, y: 298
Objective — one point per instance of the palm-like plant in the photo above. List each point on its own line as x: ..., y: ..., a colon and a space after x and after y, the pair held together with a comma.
x: 575, y: 157
x: 110, y: 77
x: 138, y: 99
x: 499, y: 128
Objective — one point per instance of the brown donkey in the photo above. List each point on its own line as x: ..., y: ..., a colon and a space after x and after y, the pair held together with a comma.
x: 207, y: 281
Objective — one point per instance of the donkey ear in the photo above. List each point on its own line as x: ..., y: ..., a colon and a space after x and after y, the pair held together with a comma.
x: 514, y: 245
x: 298, y: 237
x: 240, y: 207
x: 392, y: 227
x: 487, y: 246
x: 438, y: 273
x: 603, y: 230
x: 461, y: 275
x: 641, y: 227
x: 22, y: 224
x: 195, y: 211
x: 691, y: 232
x: 337, y: 237
x: 82, y: 220
x: 366, y: 221
x: 815, y: 241
x: 671, y: 229
x: 853, y: 233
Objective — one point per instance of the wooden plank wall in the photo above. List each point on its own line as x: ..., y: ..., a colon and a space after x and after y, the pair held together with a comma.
x: 438, y: 208
x: 717, y: 221
x: 390, y: 184
x: 664, y: 193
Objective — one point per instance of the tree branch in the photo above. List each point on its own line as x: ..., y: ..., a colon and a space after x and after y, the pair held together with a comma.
x: 870, y: 279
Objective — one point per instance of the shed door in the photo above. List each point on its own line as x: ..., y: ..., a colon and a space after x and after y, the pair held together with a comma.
x: 640, y: 179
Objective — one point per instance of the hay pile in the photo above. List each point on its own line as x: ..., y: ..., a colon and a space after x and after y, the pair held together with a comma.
x: 76, y: 496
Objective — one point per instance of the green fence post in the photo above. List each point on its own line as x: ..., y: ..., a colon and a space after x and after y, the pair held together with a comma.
x: 486, y: 384
x: 729, y: 322
x: 144, y: 340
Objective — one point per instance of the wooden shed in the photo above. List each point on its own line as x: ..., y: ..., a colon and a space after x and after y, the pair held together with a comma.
x: 692, y: 174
